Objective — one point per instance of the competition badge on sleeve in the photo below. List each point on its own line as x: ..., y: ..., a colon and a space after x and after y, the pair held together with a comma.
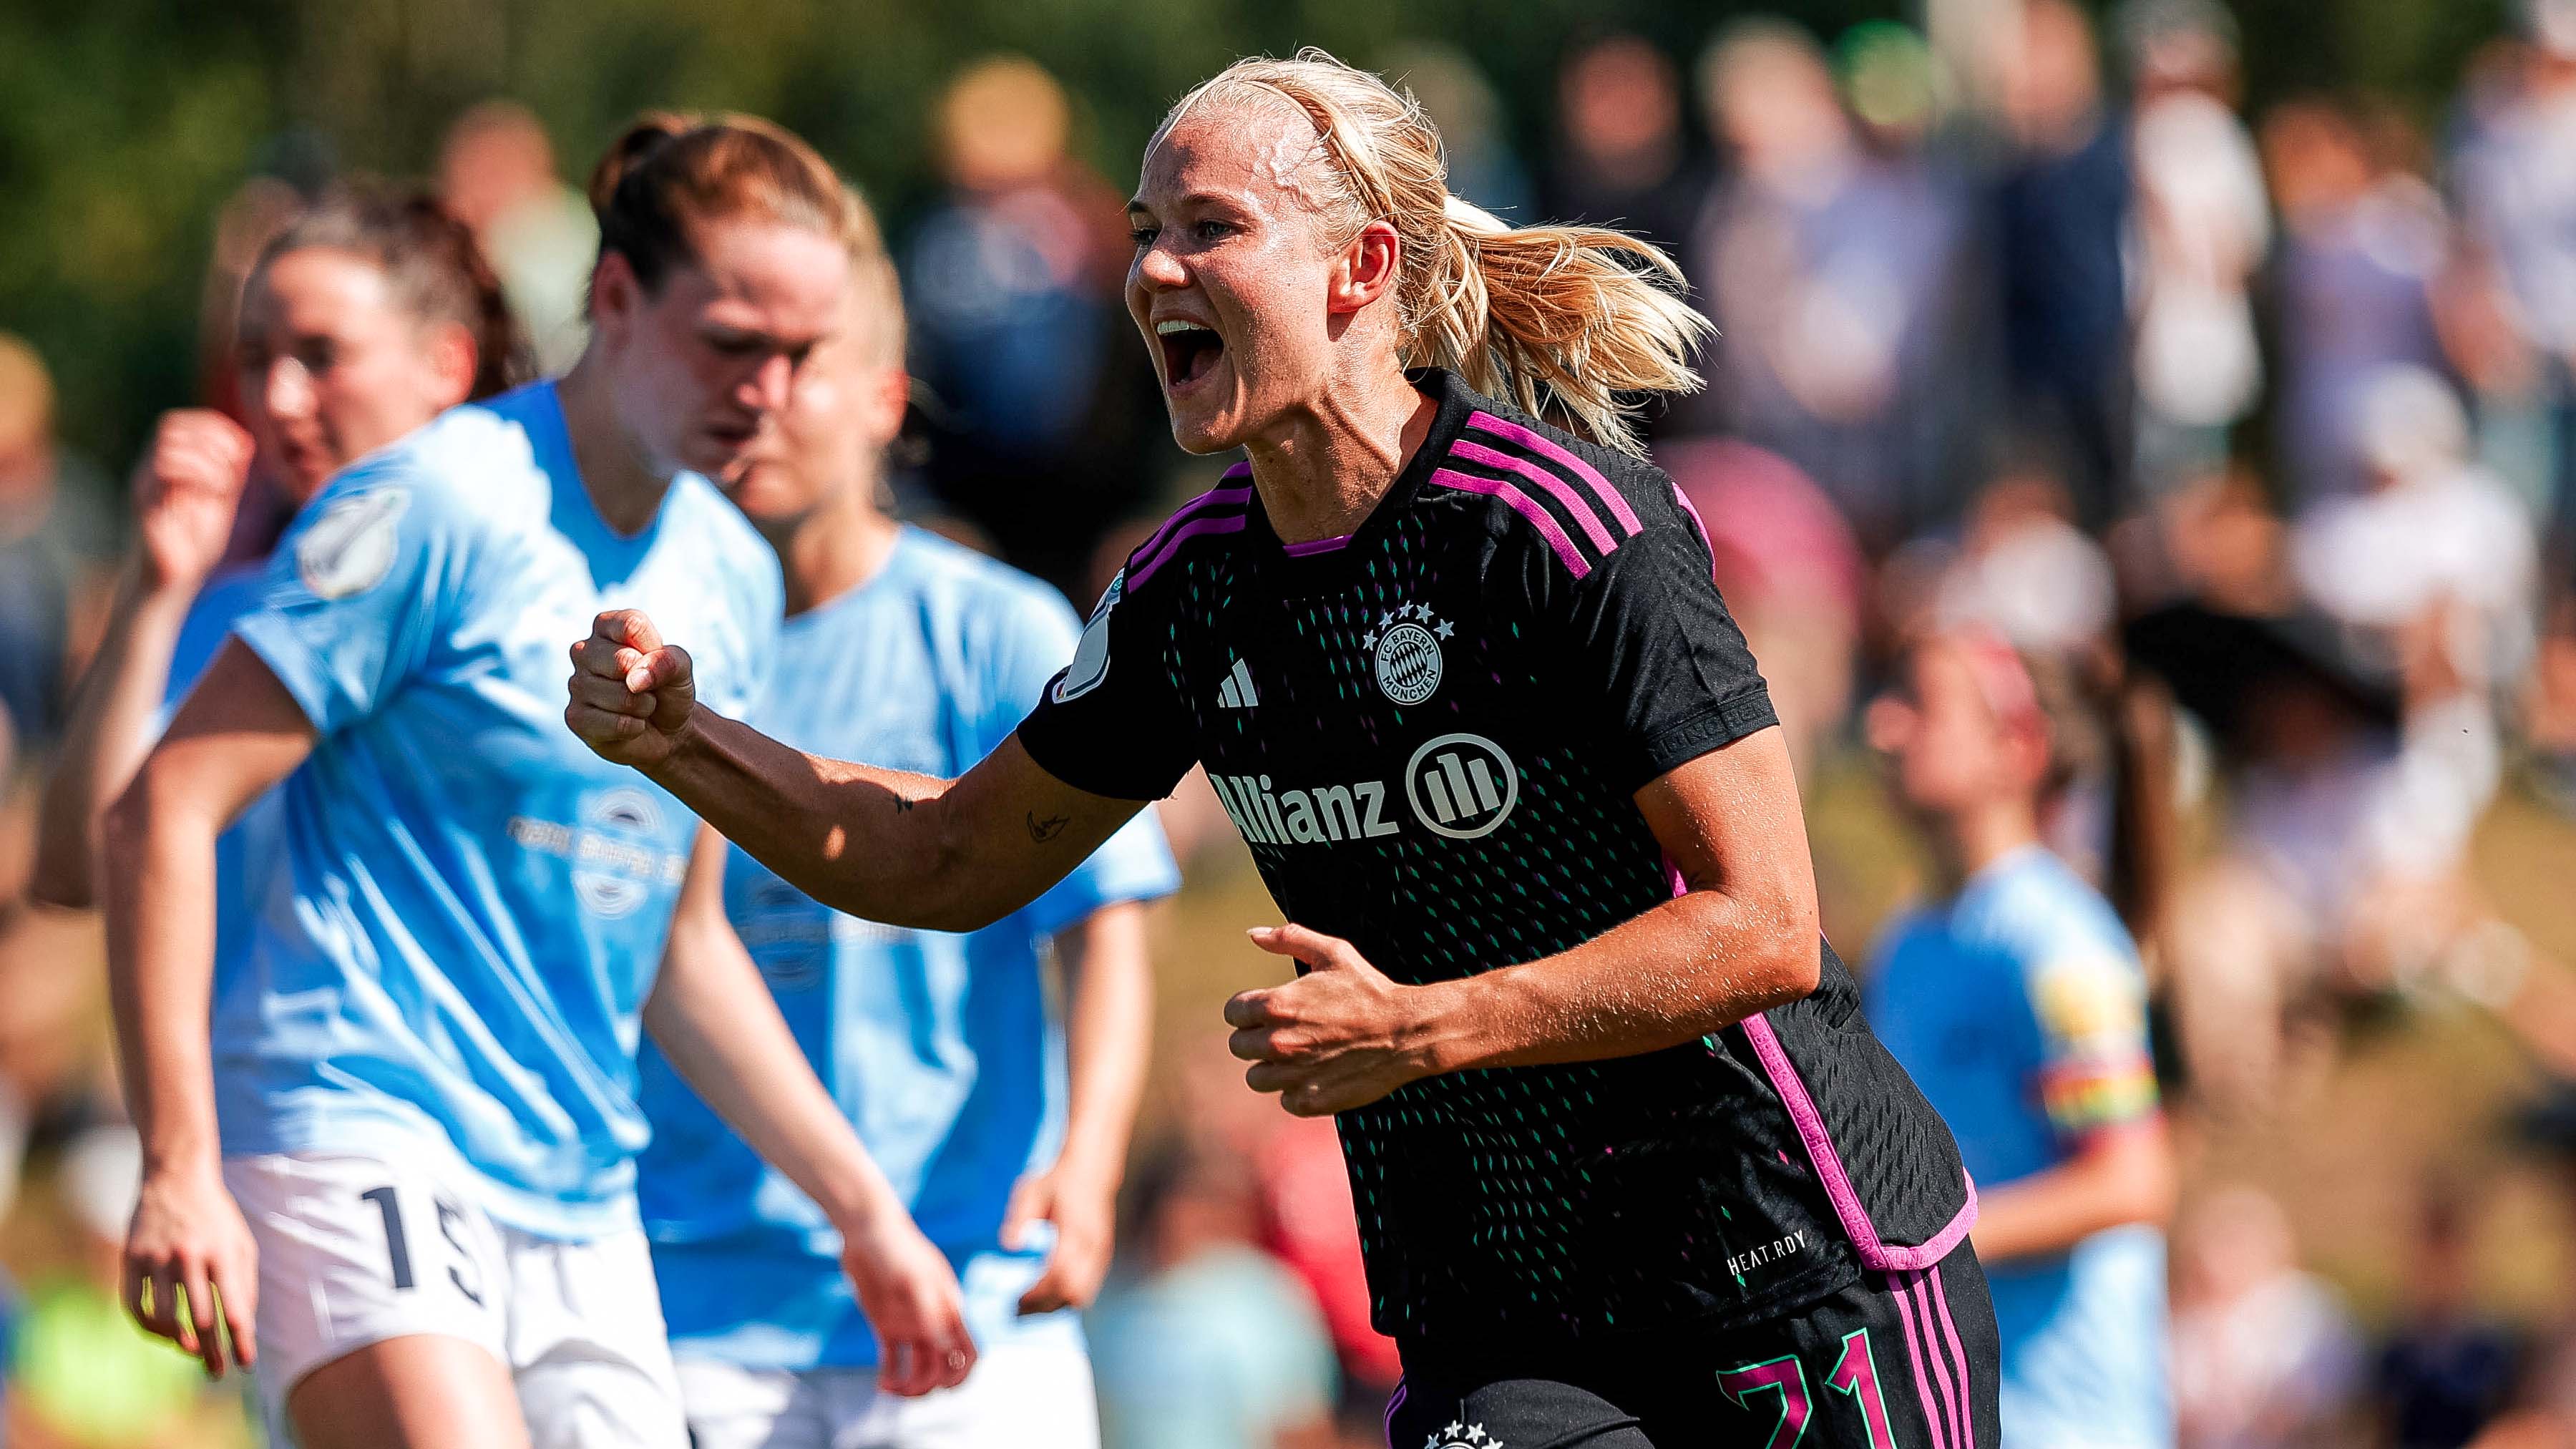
x: 350, y: 548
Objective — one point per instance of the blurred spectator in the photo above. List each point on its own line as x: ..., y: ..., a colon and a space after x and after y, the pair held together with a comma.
x: 2519, y: 193
x: 2026, y: 571
x: 56, y: 538
x: 2337, y: 866
x: 2215, y: 540
x: 2435, y: 561
x: 1204, y: 1342
x: 2264, y: 1353
x: 1892, y: 83
x: 1831, y: 275
x: 1621, y: 159
x: 496, y: 174
x: 1793, y: 576
x: 2446, y: 1370
x: 1047, y: 423
x: 2202, y: 228
x: 2060, y: 219
x: 2362, y: 250
x: 86, y: 1376
x: 1461, y: 102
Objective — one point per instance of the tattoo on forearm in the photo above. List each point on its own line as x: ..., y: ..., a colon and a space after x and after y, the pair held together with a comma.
x: 1048, y: 829
x: 903, y: 804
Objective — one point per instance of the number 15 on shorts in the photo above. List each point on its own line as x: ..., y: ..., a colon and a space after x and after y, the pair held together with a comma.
x: 451, y: 1226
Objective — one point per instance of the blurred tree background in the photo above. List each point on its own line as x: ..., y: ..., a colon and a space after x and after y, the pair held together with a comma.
x: 124, y: 123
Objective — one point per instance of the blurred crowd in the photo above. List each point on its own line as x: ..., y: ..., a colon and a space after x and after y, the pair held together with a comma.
x: 2259, y: 424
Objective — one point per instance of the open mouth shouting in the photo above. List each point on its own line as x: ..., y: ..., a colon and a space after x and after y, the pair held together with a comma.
x: 1190, y: 352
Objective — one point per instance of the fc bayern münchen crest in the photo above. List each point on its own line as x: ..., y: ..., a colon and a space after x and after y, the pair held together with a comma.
x: 1462, y: 1436
x: 1407, y: 642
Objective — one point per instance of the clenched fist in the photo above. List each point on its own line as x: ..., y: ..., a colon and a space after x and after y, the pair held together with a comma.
x: 185, y: 492
x: 632, y: 695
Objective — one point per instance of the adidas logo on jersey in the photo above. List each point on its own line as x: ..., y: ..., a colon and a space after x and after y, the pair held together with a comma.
x: 1237, y: 691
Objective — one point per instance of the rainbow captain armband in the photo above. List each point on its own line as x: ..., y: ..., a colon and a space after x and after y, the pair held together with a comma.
x: 2081, y: 1097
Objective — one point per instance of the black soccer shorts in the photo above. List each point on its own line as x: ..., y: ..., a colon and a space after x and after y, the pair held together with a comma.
x: 1894, y: 1361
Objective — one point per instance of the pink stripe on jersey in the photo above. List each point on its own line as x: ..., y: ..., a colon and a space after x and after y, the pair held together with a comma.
x: 1394, y: 1402
x: 1320, y: 545
x: 1697, y: 525
x: 1556, y: 487
x: 1914, y: 1356
x: 1545, y: 447
x: 1958, y: 1356
x: 1522, y: 504
x: 1230, y: 523
x: 1922, y: 1299
x: 1874, y: 1253
x: 1213, y: 498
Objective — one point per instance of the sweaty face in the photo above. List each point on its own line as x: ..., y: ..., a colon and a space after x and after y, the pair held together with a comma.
x: 708, y: 360
x: 333, y: 366
x: 845, y: 407
x: 1231, y: 274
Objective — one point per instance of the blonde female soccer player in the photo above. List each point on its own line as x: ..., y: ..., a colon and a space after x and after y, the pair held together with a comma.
x: 1629, y: 1167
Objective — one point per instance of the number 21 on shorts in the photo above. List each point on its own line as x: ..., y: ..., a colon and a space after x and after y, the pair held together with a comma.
x: 1855, y: 1375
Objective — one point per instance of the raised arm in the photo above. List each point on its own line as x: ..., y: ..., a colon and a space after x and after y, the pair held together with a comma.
x: 239, y: 733
x: 1741, y: 939
x: 185, y: 493
x: 720, y: 1028
x: 883, y: 845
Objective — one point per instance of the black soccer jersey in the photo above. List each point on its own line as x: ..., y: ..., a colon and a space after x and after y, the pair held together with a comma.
x: 1431, y: 733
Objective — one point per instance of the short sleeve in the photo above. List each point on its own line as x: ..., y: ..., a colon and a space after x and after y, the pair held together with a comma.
x: 1109, y: 722
x: 1657, y: 660
x: 355, y: 597
x: 202, y: 634
x: 1031, y: 642
x: 2095, y: 1070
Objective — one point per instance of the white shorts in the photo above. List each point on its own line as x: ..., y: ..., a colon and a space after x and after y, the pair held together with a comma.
x: 1020, y: 1394
x: 357, y: 1250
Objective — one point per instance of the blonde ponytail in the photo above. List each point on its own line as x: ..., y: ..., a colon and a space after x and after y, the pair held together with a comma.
x: 1578, y: 322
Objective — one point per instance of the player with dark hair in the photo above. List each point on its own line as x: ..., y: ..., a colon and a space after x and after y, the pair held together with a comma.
x: 1629, y: 1167
x: 398, y: 1172
x: 363, y: 318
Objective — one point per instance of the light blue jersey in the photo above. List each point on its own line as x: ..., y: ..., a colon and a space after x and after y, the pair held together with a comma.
x: 473, y: 905
x: 2019, y: 1008
x: 939, y: 1047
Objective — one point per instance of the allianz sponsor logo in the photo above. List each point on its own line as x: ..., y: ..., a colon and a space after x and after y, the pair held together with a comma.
x: 1460, y: 786
x: 1303, y: 817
